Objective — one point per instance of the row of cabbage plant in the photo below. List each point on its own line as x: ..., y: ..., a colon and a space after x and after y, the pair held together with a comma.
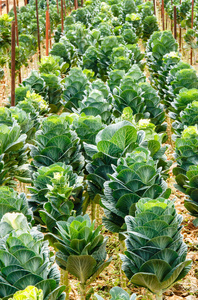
x: 100, y: 149
x: 177, y: 82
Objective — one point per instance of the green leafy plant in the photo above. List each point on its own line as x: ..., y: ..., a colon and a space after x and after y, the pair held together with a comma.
x: 159, y: 45
x: 160, y: 75
x: 29, y: 293
x: 185, y: 78
x: 34, y: 82
x: 149, y: 26
x: 53, y: 90
x: 188, y: 117
x: 35, y: 106
x: 156, y: 254
x: 135, y: 177
x: 11, y: 201
x: 56, y: 193
x: 180, y: 102
x: 191, y: 189
x: 55, y: 142
x: 186, y: 154
x: 74, y: 89
x: 13, y: 155
x: 63, y: 49
x: 112, y: 143
x: 95, y: 104
x: 26, y: 260
x: 87, y: 127
x: 118, y: 293
x: 81, y: 250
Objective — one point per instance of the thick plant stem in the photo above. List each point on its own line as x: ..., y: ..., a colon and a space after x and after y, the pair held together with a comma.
x: 98, y: 214
x: 122, y: 276
x: 159, y: 297
x: 93, y: 211
x: 66, y: 282
x: 82, y: 291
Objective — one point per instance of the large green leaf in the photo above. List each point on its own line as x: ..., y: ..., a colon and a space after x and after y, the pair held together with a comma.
x: 81, y: 266
x: 150, y: 281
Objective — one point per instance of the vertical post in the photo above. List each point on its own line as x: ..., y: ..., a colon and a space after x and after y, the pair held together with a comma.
x: 192, y: 21
x: 57, y: 7
x: 62, y: 17
x: 171, y: 17
x: 7, y: 6
x: 75, y: 4
x: 154, y: 6
x: 180, y: 36
x: 25, y: 2
x: 16, y: 31
x: 81, y: 3
x: 13, y: 65
x: 65, y: 9
x: 0, y: 7
x: 16, y: 23
x: 175, y: 22
x: 162, y: 14
x: 38, y: 31
x: 47, y: 32
x: 192, y: 17
x: 49, y: 28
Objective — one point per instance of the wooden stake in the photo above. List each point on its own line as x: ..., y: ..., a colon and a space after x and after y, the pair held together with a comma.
x: 75, y: 4
x: 82, y: 3
x: 0, y: 7
x: 65, y: 9
x: 180, y: 35
x: 47, y: 32
x: 49, y: 28
x: 171, y: 18
x: 13, y: 65
x: 16, y: 23
x: 192, y: 21
x: 62, y: 17
x: 57, y: 6
x: 192, y: 17
x: 154, y: 5
x: 38, y: 31
x: 175, y: 22
x: 16, y: 31
x: 162, y: 14
x: 7, y: 6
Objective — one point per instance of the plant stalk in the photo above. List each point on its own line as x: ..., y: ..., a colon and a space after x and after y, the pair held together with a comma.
x: 122, y: 276
x: 66, y: 282
x: 159, y: 297
x: 93, y: 211
x: 82, y: 291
